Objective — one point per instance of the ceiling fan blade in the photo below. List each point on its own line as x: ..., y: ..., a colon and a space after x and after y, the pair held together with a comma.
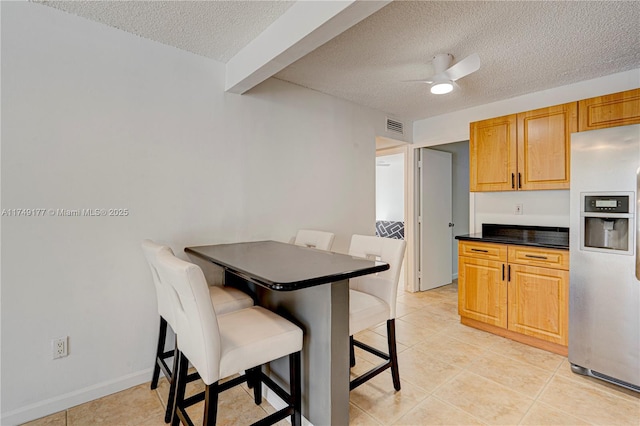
x: 465, y: 67
x: 418, y: 81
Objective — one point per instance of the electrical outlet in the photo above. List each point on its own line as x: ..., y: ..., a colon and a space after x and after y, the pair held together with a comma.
x: 59, y: 347
x: 518, y: 209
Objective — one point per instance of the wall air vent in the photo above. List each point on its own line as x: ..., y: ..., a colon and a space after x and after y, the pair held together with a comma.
x: 395, y: 126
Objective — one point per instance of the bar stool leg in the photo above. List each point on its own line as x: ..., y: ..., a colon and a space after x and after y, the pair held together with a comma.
x: 296, y: 388
x: 172, y: 386
x: 180, y: 376
x: 162, y: 337
x: 211, y: 404
x: 352, y: 353
x: 393, y: 353
x: 257, y: 384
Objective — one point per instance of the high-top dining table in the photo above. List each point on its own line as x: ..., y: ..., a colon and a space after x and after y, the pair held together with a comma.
x: 311, y: 288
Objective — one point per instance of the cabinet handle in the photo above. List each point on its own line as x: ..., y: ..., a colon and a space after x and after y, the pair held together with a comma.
x: 533, y: 256
x: 513, y: 182
x: 503, y: 272
x: 509, y: 273
x: 479, y: 250
x: 519, y: 180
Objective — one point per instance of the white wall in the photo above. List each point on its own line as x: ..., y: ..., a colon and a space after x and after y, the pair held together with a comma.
x: 93, y: 117
x: 545, y: 208
x: 390, y: 188
x: 540, y: 208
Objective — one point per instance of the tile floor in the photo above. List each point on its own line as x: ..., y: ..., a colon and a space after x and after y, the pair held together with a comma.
x: 451, y: 375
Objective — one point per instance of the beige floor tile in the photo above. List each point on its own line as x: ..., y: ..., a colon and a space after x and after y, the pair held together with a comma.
x: 543, y: 414
x: 521, y: 352
x: 431, y: 296
x: 423, y: 371
x: 450, y: 350
x: 357, y: 417
x: 434, y: 316
x: 489, y: 401
x: 432, y: 411
x: 403, y: 309
x: 135, y: 406
x: 378, y: 398
x: 516, y: 375
x: 56, y: 419
x: 472, y: 335
x: 407, y: 333
x: 590, y: 403
x: 412, y: 301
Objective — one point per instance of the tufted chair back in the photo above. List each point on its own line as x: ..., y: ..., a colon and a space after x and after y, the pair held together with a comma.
x: 383, y: 285
x: 195, y: 320
x: 317, y: 239
x: 151, y: 251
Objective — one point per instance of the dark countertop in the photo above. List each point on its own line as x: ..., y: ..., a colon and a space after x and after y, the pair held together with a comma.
x: 285, y: 267
x: 534, y: 236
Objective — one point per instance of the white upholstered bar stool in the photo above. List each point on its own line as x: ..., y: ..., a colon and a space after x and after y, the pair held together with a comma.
x: 320, y: 240
x: 219, y: 346
x: 372, y: 300
x: 224, y: 300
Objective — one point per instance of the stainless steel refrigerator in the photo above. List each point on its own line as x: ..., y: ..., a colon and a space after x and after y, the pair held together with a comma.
x: 604, y: 297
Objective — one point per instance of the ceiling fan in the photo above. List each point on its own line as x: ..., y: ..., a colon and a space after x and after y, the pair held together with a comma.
x: 444, y: 76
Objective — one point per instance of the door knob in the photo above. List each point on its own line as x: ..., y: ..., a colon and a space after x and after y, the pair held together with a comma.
x: 451, y: 225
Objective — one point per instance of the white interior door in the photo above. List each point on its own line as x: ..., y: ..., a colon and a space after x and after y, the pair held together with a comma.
x: 434, y: 219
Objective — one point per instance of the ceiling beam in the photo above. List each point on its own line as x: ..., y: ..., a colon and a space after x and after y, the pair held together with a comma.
x: 302, y: 28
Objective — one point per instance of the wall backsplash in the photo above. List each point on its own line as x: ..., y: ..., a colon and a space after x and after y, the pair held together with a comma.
x: 542, y: 208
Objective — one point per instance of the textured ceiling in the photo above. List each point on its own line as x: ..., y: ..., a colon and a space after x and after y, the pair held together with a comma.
x: 523, y: 46
x: 215, y: 29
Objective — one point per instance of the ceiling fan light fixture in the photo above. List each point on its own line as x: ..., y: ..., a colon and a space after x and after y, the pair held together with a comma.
x: 441, y: 87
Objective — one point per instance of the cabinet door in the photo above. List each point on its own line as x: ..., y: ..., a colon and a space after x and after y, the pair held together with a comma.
x: 544, y: 146
x: 492, y: 154
x: 482, y: 290
x: 617, y: 109
x: 538, y: 302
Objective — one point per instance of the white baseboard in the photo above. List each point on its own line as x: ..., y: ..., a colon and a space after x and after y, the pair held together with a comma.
x: 71, y: 399
x: 454, y: 276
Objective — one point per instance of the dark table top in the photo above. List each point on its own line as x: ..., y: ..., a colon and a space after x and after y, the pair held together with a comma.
x: 284, y: 267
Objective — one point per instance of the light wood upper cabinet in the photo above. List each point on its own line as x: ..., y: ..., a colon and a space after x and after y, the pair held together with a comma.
x: 544, y: 146
x: 525, y: 151
x: 492, y: 154
x: 617, y: 109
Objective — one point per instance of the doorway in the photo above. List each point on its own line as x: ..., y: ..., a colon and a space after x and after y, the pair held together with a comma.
x: 434, y: 219
x: 460, y: 207
x: 391, y: 199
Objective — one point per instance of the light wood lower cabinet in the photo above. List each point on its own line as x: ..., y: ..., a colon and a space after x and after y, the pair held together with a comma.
x: 538, y: 302
x: 515, y: 291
